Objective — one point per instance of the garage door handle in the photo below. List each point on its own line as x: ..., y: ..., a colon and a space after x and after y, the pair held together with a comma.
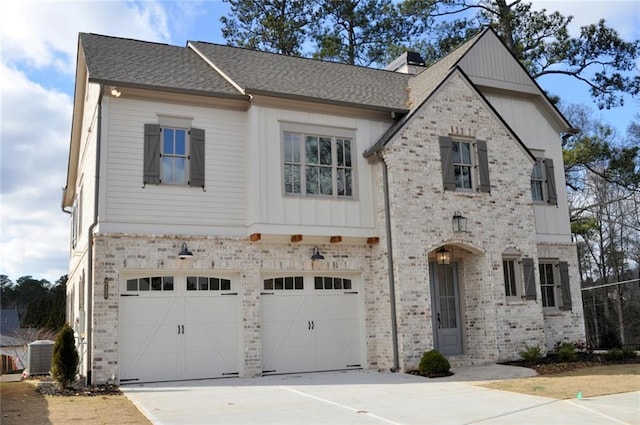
x: 313, y: 325
x: 182, y: 329
x: 178, y: 329
x: 309, y: 325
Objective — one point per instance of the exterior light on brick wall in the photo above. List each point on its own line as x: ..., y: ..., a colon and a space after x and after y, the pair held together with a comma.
x: 459, y: 222
x: 316, y: 254
x: 443, y: 256
x: 185, y: 253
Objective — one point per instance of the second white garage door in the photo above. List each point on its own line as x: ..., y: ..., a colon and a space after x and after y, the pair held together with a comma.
x: 311, y: 323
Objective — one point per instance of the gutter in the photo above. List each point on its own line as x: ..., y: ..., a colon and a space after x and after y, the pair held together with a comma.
x: 392, y: 285
x: 89, y: 318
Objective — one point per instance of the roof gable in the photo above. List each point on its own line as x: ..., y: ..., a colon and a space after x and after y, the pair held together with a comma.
x: 134, y: 63
x: 293, y: 77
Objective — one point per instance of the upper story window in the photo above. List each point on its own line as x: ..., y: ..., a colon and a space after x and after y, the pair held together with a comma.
x: 316, y: 164
x: 173, y: 155
x: 543, y: 184
x: 465, y: 165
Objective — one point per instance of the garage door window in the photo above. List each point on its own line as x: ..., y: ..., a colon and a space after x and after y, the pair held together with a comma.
x: 291, y: 283
x: 154, y: 283
x: 322, y: 283
x: 203, y: 283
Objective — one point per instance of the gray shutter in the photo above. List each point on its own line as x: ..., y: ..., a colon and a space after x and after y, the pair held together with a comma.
x: 552, y: 194
x: 483, y: 166
x: 564, y: 285
x: 151, y: 173
x: 529, y: 279
x: 196, y: 158
x: 446, y: 161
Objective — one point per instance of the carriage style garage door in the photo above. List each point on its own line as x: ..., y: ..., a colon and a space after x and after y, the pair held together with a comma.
x: 310, y: 323
x: 178, y: 327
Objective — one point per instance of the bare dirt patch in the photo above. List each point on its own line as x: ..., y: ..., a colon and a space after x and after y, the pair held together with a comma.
x: 589, y: 381
x: 21, y: 404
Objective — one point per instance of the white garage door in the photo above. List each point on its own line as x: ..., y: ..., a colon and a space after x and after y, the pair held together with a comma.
x: 178, y: 327
x: 310, y: 323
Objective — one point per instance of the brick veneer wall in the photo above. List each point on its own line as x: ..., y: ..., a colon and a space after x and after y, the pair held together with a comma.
x: 421, y: 214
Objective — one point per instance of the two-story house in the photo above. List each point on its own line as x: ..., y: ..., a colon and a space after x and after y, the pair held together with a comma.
x: 242, y: 213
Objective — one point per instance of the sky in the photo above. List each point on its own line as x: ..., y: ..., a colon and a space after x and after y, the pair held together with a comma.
x: 38, y: 47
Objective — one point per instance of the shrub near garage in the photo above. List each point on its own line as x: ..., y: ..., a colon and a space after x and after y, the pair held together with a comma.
x: 64, y: 366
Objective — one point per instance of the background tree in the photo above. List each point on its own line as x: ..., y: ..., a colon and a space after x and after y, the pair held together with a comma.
x: 540, y: 40
x: 39, y: 304
x: 278, y: 26
x: 359, y: 32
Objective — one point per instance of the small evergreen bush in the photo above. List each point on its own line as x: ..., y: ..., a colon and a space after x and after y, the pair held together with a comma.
x: 619, y: 354
x: 566, y: 352
x: 531, y: 354
x: 65, y: 358
x: 434, y: 364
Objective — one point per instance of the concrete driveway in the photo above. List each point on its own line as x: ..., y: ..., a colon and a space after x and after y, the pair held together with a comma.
x: 369, y: 397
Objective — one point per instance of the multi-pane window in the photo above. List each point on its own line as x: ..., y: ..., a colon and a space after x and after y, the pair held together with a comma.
x: 462, y: 165
x: 284, y: 283
x: 548, y: 284
x: 509, y: 267
x: 328, y: 282
x: 537, y: 182
x: 174, y: 156
x: 317, y: 165
x: 154, y: 283
x: 204, y: 283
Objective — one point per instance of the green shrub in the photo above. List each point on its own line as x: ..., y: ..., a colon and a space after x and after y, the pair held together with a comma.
x: 65, y: 358
x: 566, y: 352
x: 434, y: 364
x: 619, y: 354
x: 531, y: 354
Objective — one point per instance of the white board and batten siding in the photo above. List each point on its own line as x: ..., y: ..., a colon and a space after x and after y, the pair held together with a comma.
x: 268, y: 204
x: 127, y: 202
x: 530, y: 122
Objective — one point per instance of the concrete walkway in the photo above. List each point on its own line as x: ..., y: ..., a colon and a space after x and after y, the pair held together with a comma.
x: 368, y: 397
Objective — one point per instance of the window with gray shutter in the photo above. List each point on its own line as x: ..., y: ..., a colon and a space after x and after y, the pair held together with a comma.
x: 483, y: 166
x: 552, y: 194
x: 196, y: 158
x: 446, y: 157
x: 529, y: 279
x: 564, y: 285
x: 151, y: 154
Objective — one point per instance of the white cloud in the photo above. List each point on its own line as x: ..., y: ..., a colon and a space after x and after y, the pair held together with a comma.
x: 44, y: 34
x: 623, y: 15
x: 35, y: 127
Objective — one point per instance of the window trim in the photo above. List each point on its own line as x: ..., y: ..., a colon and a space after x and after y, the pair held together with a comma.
x: 517, y: 277
x: 480, y: 173
x: 334, y: 133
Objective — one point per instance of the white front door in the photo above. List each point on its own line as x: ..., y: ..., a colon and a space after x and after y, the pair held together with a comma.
x: 310, y: 323
x: 178, y: 327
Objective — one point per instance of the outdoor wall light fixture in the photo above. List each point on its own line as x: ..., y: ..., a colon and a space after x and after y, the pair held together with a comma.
x: 115, y: 92
x: 185, y: 253
x: 316, y: 254
x: 459, y: 222
x: 443, y: 257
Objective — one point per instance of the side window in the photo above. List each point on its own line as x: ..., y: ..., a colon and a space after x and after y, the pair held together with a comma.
x: 173, y: 155
x: 554, y: 285
x: 318, y: 164
x: 543, y: 184
x: 512, y: 284
x: 465, y: 165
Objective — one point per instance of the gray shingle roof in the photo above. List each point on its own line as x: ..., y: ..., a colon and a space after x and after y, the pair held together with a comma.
x: 294, y: 77
x: 129, y: 62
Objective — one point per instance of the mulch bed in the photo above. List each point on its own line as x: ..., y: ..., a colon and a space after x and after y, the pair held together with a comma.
x: 46, y: 386
x: 551, y: 364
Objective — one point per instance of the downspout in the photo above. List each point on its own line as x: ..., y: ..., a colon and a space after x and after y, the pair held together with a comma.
x: 392, y: 285
x: 89, y: 318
